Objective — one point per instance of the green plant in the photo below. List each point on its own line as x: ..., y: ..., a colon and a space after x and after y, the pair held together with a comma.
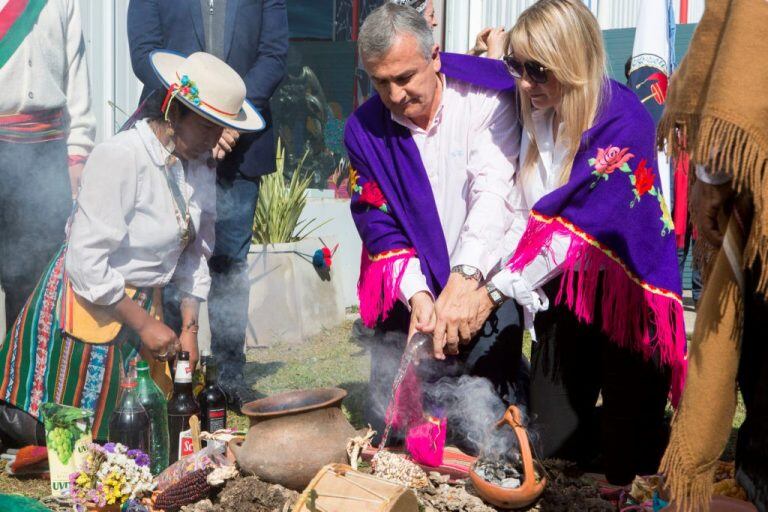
x: 281, y: 203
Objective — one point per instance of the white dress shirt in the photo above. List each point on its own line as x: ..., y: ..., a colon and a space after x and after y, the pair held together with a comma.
x: 530, y: 186
x: 125, y: 229
x: 49, y: 71
x: 469, y: 151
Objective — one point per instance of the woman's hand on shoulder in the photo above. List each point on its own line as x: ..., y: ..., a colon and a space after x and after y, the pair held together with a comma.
x: 481, y: 42
x: 496, y: 41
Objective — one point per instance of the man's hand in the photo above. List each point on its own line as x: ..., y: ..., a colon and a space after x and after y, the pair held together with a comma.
x: 706, y: 203
x: 226, y: 144
x: 75, y: 173
x: 481, y: 306
x: 453, y: 313
x: 422, y: 315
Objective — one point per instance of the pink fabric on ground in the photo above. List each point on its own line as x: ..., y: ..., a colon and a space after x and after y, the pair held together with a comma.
x: 426, y: 441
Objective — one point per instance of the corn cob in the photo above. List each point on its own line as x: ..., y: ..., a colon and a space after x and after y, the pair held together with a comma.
x: 193, y: 487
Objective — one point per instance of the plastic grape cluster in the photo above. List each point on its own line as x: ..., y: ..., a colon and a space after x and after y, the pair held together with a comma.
x: 62, y: 441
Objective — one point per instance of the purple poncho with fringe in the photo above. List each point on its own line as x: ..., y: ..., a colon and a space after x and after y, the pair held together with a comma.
x: 611, y: 208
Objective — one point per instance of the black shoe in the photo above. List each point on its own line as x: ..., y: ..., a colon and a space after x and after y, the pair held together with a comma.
x: 237, y: 393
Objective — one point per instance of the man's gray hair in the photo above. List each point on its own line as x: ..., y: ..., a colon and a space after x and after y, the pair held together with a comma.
x: 386, y: 23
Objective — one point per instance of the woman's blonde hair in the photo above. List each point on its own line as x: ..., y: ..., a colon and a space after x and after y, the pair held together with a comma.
x: 564, y: 37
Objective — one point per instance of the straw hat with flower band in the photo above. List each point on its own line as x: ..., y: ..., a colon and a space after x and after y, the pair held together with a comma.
x: 209, y: 87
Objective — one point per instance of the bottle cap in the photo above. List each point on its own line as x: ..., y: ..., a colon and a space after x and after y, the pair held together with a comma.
x: 183, y: 355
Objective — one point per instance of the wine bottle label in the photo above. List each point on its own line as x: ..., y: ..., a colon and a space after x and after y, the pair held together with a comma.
x: 217, y: 419
x: 183, y: 372
x: 186, y: 446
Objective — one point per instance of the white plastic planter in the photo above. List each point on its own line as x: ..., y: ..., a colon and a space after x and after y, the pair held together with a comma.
x: 289, y: 299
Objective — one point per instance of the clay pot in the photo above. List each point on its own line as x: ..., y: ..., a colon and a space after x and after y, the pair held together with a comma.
x: 293, y: 435
x: 530, y: 490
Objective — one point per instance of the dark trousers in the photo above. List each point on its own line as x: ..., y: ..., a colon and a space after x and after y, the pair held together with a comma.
x: 35, y: 202
x: 752, y: 442
x: 697, y: 282
x: 572, y: 364
x: 494, y: 354
x: 236, y: 197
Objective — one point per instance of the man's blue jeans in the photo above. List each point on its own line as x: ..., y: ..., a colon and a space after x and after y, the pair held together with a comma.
x: 236, y: 198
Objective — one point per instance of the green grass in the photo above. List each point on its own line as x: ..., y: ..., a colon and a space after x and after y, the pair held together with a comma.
x: 332, y: 358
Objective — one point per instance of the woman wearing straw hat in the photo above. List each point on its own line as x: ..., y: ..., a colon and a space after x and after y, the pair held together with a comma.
x: 144, y: 216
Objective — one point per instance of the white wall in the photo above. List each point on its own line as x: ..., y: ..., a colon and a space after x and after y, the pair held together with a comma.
x: 109, y: 62
x: 465, y: 18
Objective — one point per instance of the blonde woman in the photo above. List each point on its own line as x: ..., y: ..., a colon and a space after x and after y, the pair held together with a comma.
x: 597, y: 258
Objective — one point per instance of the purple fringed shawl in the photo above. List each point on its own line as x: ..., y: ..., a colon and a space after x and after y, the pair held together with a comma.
x: 392, y: 202
x: 613, y: 212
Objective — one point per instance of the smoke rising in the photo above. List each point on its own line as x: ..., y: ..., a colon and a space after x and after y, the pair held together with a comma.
x: 471, y: 404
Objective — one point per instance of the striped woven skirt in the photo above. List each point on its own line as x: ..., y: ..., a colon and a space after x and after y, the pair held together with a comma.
x: 42, y: 364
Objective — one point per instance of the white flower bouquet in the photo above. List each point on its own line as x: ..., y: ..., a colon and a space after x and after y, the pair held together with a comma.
x: 111, y: 475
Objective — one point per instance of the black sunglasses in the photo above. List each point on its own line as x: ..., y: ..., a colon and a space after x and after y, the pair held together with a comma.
x: 533, y: 69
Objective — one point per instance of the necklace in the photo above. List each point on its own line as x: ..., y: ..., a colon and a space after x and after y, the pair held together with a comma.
x: 183, y: 219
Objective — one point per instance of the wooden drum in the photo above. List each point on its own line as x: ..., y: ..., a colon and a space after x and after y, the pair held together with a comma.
x: 339, y: 488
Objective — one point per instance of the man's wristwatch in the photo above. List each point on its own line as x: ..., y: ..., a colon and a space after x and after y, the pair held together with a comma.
x: 468, y: 271
x: 496, y: 296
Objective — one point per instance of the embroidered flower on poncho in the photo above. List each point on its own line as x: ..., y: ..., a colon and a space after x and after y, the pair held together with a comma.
x: 373, y: 196
x: 643, y: 179
x: 352, y: 186
x: 368, y: 193
x: 609, y: 159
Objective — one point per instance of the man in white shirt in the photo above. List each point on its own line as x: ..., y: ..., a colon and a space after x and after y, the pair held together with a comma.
x: 46, y: 127
x: 466, y: 138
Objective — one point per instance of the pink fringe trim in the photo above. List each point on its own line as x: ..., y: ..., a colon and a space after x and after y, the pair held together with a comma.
x: 634, y: 314
x: 379, y: 283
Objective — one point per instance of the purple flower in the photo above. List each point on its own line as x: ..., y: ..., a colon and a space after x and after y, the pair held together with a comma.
x: 110, y: 447
x: 96, y: 496
x: 139, y: 457
x: 73, y: 479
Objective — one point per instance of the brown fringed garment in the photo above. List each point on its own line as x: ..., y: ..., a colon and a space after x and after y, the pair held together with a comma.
x: 717, y: 109
x: 718, y: 101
